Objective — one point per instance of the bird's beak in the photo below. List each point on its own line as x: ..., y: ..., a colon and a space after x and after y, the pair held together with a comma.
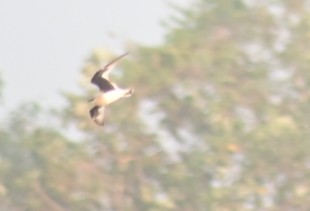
x: 130, y: 92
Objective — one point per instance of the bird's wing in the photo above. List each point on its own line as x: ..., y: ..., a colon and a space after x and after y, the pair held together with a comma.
x: 101, y: 78
x: 97, y: 114
x: 108, y: 67
x: 105, y: 71
x: 103, y: 84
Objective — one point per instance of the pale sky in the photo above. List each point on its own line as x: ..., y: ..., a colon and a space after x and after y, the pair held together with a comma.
x: 44, y: 43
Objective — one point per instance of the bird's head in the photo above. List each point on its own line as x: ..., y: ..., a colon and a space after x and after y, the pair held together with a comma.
x: 129, y: 92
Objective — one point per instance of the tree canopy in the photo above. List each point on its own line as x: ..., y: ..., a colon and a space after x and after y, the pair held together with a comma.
x: 219, y: 121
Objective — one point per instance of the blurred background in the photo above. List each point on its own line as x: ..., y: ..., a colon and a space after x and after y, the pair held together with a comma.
x: 219, y: 119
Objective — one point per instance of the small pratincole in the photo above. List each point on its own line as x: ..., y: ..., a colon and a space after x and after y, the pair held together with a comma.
x: 109, y: 91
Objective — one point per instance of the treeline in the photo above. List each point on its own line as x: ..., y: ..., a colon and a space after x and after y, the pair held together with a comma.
x: 219, y: 121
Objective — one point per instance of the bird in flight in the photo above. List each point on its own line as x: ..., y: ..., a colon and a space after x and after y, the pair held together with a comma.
x: 109, y: 91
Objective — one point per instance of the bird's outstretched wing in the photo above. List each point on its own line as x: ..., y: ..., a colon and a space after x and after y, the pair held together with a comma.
x: 105, y: 71
x: 103, y: 84
x: 101, y: 76
x: 97, y: 114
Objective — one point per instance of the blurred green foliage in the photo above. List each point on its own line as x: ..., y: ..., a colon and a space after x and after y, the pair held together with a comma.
x: 219, y: 121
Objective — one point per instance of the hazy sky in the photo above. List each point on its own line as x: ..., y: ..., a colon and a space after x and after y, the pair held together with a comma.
x: 44, y: 44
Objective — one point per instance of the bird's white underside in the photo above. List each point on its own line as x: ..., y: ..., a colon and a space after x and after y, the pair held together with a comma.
x: 110, y: 96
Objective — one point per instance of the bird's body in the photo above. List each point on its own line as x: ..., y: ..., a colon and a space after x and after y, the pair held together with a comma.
x: 109, y: 91
x: 109, y: 97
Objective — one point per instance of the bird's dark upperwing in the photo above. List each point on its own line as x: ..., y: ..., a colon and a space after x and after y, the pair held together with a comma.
x: 101, y: 76
x: 97, y: 114
x: 103, y: 84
